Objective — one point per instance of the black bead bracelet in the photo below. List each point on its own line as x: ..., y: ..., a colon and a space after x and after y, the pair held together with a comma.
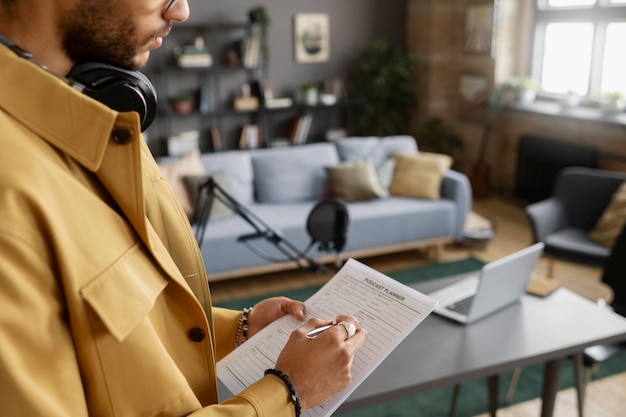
x: 242, y: 326
x: 293, y: 395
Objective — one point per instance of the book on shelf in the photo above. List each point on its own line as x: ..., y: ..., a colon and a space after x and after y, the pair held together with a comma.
x: 195, y: 60
x: 183, y: 143
x: 216, y: 139
x: 249, y: 51
x: 306, y: 128
x: 294, y: 130
x: 250, y: 137
x: 263, y: 90
x: 278, y: 103
x: 195, y: 55
x: 205, y: 101
x: 243, y: 137
x: 301, y: 128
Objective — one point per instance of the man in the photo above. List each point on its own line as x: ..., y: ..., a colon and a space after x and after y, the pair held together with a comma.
x: 105, y: 303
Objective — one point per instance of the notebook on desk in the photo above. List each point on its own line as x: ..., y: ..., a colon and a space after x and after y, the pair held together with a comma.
x: 493, y: 287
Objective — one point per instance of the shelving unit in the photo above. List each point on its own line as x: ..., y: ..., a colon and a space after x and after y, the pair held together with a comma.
x: 223, y: 79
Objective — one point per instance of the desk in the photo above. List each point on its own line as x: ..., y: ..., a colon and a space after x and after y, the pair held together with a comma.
x: 441, y: 353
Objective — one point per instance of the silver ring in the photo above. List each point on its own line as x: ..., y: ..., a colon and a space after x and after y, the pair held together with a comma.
x: 350, y: 328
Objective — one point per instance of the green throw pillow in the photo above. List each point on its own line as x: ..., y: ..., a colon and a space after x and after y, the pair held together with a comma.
x: 354, y: 181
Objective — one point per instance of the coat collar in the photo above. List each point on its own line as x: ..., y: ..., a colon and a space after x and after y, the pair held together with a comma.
x: 86, y: 131
x: 61, y: 115
x: 79, y: 126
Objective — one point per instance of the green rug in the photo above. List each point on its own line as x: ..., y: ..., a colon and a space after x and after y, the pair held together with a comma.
x: 473, y: 397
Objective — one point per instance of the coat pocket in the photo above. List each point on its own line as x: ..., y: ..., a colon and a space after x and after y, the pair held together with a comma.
x: 125, y: 292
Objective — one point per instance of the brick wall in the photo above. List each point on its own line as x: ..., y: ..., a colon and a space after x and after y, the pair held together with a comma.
x: 435, y: 38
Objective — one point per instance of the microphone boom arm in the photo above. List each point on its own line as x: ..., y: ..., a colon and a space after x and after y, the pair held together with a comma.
x: 202, y: 212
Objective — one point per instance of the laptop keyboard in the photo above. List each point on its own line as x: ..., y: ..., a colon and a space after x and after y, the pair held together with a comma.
x: 461, y: 306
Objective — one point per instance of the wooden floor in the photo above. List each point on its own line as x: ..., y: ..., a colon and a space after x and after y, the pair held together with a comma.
x: 605, y: 398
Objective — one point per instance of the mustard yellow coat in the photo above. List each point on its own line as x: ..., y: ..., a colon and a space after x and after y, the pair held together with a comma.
x: 104, y: 303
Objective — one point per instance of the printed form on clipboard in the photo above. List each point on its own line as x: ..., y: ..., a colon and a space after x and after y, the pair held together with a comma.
x: 386, y: 308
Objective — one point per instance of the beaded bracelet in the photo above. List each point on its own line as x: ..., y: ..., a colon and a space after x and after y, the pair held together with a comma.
x: 244, y: 323
x: 293, y: 395
x: 242, y: 326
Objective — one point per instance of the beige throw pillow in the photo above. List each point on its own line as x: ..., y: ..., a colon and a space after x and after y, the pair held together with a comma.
x: 419, y: 175
x: 218, y: 209
x: 610, y: 224
x: 354, y: 181
x: 175, y: 171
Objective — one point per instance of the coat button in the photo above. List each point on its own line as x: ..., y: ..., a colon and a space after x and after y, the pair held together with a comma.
x: 196, y: 334
x: 122, y: 136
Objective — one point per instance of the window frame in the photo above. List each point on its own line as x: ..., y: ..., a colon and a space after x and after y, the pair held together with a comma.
x: 600, y: 14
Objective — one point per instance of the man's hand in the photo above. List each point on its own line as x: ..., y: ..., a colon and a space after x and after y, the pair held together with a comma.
x: 266, y: 311
x: 320, y: 367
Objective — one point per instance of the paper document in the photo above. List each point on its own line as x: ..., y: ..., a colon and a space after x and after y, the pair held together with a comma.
x: 387, y: 309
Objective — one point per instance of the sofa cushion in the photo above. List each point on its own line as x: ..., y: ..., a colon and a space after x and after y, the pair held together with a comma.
x: 610, y: 224
x: 375, y: 148
x: 419, y: 175
x: 236, y: 169
x: 218, y: 209
x: 385, y: 172
x: 175, y: 169
x: 373, y: 224
x: 292, y: 174
x: 354, y: 181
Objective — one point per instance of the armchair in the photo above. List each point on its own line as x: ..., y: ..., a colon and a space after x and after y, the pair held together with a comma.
x: 563, y: 220
x: 588, y: 362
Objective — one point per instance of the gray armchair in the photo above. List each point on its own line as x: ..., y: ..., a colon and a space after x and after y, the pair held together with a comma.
x: 563, y: 220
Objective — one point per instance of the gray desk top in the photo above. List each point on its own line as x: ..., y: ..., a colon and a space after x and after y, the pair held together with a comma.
x: 441, y: 353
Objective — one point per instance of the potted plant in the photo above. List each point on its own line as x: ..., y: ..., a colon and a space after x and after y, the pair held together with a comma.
x: 526, y: 88
x: 259, y: 16
x: 182, y: 103
x: 310, y: 93
x: 383, y: 86
x: 613, y: 102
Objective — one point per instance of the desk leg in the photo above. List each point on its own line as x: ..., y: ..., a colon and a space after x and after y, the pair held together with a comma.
x: 493, y: 395
x: 579, y: 384
x: 551, y: 378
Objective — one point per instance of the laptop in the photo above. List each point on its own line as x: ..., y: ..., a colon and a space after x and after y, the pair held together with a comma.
x: 496, y: 285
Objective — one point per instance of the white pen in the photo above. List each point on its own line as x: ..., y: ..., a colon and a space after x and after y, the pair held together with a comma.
x: 350, y: 328
x: 315, y: 332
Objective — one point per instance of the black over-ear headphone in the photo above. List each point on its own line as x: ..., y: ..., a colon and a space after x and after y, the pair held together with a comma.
x: 120, y: 89
x: 117, y: 88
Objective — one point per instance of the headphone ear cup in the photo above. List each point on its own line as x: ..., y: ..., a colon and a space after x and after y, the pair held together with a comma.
x: 117, y: 88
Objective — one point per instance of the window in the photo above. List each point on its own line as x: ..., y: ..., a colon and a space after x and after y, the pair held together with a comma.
x: 578, y: 47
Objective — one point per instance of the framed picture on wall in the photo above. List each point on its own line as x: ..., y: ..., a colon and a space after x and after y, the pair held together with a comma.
x: 311, y: 38
x: 479, y: 28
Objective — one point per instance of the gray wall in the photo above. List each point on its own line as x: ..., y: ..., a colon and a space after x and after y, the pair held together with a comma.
x: 353, y: 24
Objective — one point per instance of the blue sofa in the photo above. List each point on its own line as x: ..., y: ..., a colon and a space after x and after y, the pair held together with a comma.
x: 281, y: 186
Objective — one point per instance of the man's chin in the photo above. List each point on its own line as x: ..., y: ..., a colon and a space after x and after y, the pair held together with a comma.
x: 140, y: 61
